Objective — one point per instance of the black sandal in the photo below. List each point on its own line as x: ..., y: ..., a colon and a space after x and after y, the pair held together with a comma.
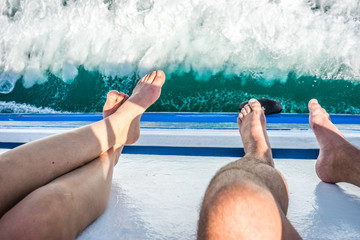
x: 269, y: 106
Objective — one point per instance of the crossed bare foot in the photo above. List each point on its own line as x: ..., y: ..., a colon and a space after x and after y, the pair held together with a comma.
x: 252, y: 127
x: 127, y: 110
x: 338, y: 159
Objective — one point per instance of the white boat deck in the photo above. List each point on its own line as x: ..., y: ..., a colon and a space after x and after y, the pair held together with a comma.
x: 157, y: 196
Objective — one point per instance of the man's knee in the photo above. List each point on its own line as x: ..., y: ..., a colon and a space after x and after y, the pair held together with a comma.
x: 258, y: 172
x: 41, y: 215
x: 240, y: 211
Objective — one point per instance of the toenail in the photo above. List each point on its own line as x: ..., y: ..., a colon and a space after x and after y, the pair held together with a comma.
x: 314, y: 100
x: 251, y: 101
x: 159, y: 73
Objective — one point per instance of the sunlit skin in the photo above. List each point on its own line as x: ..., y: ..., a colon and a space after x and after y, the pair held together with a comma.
x: 60, y: 201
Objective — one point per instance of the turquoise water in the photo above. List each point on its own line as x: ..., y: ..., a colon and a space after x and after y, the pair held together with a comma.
x: 66, y: 55
x: 185, y: 93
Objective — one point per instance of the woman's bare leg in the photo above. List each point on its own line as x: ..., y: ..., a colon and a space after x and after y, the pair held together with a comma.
x: 28, y: 167
x: 65, y: 206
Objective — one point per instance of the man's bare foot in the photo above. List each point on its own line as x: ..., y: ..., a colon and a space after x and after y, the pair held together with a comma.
x: 337, y: 155
x: 252, y: 127
x: 129, y: 112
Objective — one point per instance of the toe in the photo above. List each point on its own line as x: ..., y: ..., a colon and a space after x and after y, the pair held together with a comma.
x: 247, y: 108
x: 313, y: 101
x: 255, y: 105
x: 243, y: 111
x: 151, y: 77
x: 315, y: 108
x: 159, y: 79
x: 113, y: 100
x: 112, y: 94
x: 146, y: 77
x: 312, y: 104
x: 143, y: 79
x: 240, y: 118
x: 122, y: 97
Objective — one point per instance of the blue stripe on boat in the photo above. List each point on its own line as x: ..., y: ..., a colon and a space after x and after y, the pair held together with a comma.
x: 180, y: 117
x: 202, y: 151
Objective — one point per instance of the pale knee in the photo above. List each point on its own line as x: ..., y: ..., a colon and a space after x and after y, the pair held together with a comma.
x: 44, y: 214
x: 243, y: 211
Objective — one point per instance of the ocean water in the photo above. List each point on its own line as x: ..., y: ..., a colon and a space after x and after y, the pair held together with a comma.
x: 65, y: 55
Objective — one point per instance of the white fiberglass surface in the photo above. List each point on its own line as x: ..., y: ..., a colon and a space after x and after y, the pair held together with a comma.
x: 159, y: 197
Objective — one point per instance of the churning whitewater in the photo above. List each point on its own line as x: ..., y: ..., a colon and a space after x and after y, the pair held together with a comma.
x: 262, y: 39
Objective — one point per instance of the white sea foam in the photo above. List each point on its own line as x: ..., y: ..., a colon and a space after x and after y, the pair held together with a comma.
x: 269, y: 38
x: 13, y: 107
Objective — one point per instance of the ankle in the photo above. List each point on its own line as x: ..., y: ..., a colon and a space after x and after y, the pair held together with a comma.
x: 339, y: 163
x: 351, y: 166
